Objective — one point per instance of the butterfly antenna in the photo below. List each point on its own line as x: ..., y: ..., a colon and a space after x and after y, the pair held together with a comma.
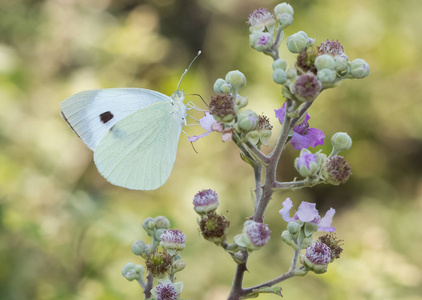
x: 193, y: 147
x: 186, y: 70
x: 199, y: 97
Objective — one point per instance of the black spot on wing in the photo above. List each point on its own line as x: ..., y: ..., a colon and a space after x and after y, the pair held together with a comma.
x: 106, y: 116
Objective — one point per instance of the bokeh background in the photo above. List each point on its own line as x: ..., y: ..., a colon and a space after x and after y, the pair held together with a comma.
x: 65, y: 233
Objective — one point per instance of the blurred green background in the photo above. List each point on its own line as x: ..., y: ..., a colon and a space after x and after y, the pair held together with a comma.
x: 65, y: 233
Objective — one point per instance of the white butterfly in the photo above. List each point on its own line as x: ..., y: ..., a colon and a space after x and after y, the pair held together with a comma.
x: 133, y: 132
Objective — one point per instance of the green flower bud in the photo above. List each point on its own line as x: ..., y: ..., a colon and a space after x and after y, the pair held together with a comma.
x: 218, y: 84
x: 283, y: 8
x: 326, y: 75
x: 285, y: 20
x: 288, y: 239
x: 291, y: 73
x: 342, y: 62
x: 247, y: 121
x: 178, y: 266
x: 149, y: 226
x: 158, y: 233
x: 297, y: 42
x: 279, y: 64
x: 241, y: 101
x: 293, y: 227
x: 359, y: 68
x: 161, y: 222
x: 131, y: 271
x: 236, y: 79
x: 226, y: 88
x: 325, y: 61
x: 254, y: 236
x: 279, y: 76
x: 138, y: 247
x: 341, y: 141
x: 261, y: 41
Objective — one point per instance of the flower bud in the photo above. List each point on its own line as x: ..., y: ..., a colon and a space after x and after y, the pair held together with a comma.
x: 325, y: 61
x: 159, y: 264
x: 317, y: 257
x: 173, y: 241
x: 214, y: 228
x: 307, y: 163
x: 291, y: 73
x: 223, y: 108
x: 359, y: 68
x: 253, y: 137
x: 131, y: 271
x: 341, y: 141
x: 254, y: 236
x: 306, y: 242
x: 326, y: 75
x: 161, y: 222
x: 241, y: 101
x: 261, y: 19
x: 138, y: 247
x: 158, y: 233
x: 205, y: 201
x: 293, y: 227
x: 236, y: 79
x: 283, y: 8
x: 279, y: 64
x: 341, y: 62
x: 149, y: 226
x: 279, y: 76
x: 307, y: 87
x: 261, y: 41
x: 297, y: 42
x: 285, y: 20
x: 264, y: 136
x: 178, y: 266
x: 247, y: 121
x: 288, y: 239
x: 226, y: 88
x: 218, y: 84
x: 335, y: 170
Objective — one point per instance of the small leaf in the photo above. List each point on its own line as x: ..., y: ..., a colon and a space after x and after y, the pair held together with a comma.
x: 265, y: 290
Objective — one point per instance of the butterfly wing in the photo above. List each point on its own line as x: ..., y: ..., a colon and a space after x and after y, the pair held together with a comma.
x: 91, y: 114
x: 139, y: 151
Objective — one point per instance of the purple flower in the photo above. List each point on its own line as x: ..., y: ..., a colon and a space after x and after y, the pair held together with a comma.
x: 303, y: 136
x: 308, y: 213
x: 306, y: 159
x: 258, y: 233
x: 166, y: 292
x: 205, y: 201
x: 331, y: 47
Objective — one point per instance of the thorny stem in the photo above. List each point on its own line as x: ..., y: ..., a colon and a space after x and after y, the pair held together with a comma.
x: 148, y: 287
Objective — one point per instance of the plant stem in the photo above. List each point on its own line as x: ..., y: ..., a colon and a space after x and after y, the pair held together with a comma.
x: 148, y: 287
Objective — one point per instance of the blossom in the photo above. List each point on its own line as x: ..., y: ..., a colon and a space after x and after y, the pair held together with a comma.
x: 307, y: 163
x: 173, y: 241
x: 331, y: 47
x: 263, y: 40
x: 205, y: 201
x: 303, y: 136
x: 209, y: 124
x: 167, y: 290
x: 318, y: 253
x: 308, y: 86
x: 254, y: 235
x: 261, y: 18
x: 308, y: 213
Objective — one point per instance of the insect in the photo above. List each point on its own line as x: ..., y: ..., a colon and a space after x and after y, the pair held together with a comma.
x: 133, y: 132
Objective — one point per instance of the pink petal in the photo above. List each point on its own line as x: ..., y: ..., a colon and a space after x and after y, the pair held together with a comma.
x: 325, y: 223
x: 207, y: 121
x: 197, y: 137
x: 315, y: 136
x: 279, y: 113
x: 284, y: 212
x: 307, y: 212
x: 299, y: 142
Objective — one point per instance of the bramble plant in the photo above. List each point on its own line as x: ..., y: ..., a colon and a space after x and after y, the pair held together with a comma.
x: 317, y: 68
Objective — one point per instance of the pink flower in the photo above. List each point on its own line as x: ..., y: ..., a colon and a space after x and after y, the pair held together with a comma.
x: 308, y: 213
x: 303, y: 136
x: 209, y: 124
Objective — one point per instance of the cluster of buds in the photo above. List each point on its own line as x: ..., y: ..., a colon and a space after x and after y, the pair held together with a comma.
x: 264, y: 25
x: 333, y: 169
x: 162, y: 259
x: 213, y: 226
x: 225, y: 115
